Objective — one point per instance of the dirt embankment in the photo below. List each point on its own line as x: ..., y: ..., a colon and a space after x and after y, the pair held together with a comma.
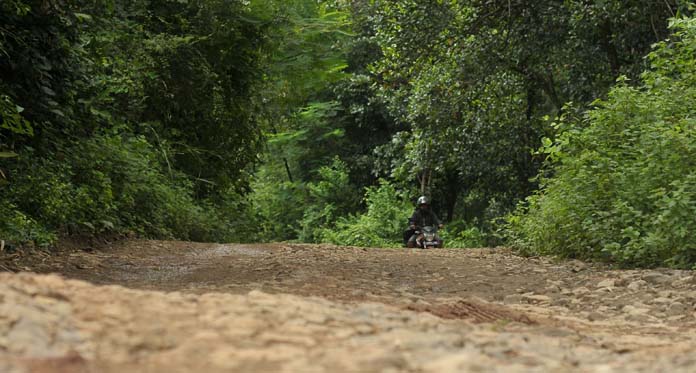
x: 177, y: 306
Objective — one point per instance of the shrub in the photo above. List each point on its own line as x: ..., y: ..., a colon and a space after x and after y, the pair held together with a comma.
x: 458, y: 234
x: 624, y: 180
x: 331, y: 197
x: 381, y: 226
x: 17, y: 227
x: 113, y: 183
x: 278, y: 207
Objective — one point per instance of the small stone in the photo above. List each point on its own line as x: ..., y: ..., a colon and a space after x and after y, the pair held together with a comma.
x: 682, y: 300
x: 655, y: 278
x: 641, y: 318
x: 553, y: 289
x: 537, y: 299
x: 684, y: 282
x: 637, y: 314
x: 605, y: 290
x: 562, y: 302
x: 660, y: 300
x: 609, y: 283
x: 637, y: 285
x: 512, y: 299
x: 676, y: 309
x: 632, y: 310
x: 556, y: 332
x: 646, y: 297
x: 577, y: 266
x: 581, y: 291
x: 596, y: 316
x: 665, y: 294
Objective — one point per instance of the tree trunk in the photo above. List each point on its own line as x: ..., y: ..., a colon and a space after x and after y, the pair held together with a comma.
x: 285, y: 160
x: 454, y: 187
x: 287, y: 169
x: 425, y: 181
x: 606, y: 40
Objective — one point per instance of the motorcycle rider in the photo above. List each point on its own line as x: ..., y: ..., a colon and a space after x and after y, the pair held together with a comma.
x: 422, y: 216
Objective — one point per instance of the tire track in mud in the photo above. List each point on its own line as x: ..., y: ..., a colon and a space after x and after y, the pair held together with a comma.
x: 474, y: 312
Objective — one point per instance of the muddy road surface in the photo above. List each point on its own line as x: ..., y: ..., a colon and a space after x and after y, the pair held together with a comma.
x: 156, y: 306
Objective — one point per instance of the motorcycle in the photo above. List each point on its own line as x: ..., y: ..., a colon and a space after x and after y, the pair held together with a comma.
x: 427, y: 238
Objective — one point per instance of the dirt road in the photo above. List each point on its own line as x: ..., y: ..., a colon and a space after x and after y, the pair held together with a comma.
x: 175, y: 306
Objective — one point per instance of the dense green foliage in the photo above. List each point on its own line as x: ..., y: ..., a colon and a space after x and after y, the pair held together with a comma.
x: 624, y: 181
x: 380, y: 226
x: 450, y: 99
x: 476, y: 81
x: 322, y: 121
x: 134, y: 116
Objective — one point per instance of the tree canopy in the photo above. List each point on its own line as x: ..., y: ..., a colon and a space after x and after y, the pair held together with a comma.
x: 540, y: 124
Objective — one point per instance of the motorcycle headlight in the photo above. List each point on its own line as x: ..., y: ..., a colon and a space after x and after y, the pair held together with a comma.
x: 430, y: 236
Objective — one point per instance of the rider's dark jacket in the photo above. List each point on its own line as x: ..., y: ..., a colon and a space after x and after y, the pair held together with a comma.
x: 423, y: 218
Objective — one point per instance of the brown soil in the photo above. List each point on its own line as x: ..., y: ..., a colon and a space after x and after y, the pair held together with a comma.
x: 327, y: 308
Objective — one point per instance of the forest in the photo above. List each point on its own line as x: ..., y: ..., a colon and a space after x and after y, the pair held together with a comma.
x: 562, y: 128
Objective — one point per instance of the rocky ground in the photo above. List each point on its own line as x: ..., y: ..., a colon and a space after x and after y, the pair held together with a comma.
x: 175, y: 306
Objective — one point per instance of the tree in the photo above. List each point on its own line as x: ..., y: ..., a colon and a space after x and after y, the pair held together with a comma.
x: 143, y: 114
x: 623, y: 187
x: 481, y: 79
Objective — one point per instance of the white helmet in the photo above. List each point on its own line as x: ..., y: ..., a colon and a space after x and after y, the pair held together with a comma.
x: 422, y: 200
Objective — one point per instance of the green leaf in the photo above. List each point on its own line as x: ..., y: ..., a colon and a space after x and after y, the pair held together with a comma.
x: 83, y: 17
x: 48, y: 91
